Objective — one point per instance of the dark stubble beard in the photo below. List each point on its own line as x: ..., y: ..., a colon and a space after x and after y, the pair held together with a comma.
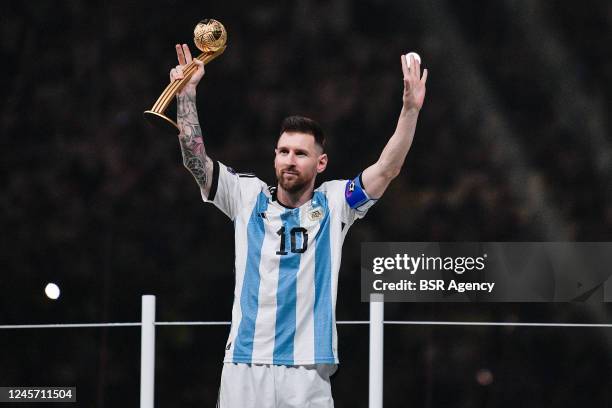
x: 294, y: 186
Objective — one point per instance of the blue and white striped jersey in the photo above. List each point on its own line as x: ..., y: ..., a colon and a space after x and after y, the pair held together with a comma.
x: 287, y: 263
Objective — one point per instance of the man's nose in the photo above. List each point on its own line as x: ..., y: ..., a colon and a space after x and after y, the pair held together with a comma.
x: 291, y: 158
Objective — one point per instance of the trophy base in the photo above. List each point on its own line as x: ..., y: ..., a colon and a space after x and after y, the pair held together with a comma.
x: 160, y: 121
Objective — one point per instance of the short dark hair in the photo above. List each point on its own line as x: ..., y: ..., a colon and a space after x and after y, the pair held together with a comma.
x: 303, y: 124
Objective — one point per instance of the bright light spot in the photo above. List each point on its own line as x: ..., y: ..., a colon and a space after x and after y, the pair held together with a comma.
x: 52, y: 291
x: 416, y: 56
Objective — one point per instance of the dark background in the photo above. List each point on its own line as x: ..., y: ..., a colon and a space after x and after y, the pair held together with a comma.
x: 513, y: 144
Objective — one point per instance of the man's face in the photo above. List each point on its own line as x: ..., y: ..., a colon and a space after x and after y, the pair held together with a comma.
x: 298, y: 160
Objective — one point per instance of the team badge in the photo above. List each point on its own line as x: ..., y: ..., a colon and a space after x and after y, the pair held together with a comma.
x: 315, y: 214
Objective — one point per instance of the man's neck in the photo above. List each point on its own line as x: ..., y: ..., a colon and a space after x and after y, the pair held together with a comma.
x: 293, y: 200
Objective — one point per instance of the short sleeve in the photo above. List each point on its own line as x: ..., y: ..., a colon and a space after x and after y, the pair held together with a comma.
x: 349, y: 197
x: 357, y: 198
x: 230, y: 191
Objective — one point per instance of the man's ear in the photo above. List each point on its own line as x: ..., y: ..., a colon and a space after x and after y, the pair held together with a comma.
x: 322, y: 164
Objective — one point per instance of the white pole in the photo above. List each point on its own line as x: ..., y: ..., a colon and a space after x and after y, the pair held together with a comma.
x: 377, y: 315
x: 147, y: 352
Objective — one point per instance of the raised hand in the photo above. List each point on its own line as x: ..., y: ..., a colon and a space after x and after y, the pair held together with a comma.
x: 414, y: 84
x: 184, y: 57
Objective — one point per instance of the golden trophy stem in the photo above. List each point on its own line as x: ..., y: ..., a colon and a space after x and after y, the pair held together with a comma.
x: 156, y: 115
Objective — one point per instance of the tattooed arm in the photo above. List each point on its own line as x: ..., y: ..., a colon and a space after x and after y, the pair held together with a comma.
x: 195, y: 158
x: 192, y: 144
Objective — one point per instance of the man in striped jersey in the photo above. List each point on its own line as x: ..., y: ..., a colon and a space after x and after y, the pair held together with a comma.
x: 282, y: 346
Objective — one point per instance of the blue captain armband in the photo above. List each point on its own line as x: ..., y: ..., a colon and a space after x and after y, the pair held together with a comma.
x: 355, y: 194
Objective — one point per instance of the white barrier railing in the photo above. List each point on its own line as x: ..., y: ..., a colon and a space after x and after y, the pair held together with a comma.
x: 147, y: 352
x: 376, y: 322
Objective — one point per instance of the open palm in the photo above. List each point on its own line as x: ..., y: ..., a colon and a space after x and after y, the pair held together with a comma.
x: 414, y: 83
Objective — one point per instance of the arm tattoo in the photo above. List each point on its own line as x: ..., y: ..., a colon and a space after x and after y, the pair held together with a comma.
x: 192, y: 144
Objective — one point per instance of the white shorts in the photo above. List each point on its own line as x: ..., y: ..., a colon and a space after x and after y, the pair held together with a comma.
x: 275, y: 386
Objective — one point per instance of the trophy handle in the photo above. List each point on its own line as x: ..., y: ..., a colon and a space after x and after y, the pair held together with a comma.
x: 155, y: 115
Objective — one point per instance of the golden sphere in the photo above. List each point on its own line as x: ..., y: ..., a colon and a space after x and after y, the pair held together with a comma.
x: 209, y: 35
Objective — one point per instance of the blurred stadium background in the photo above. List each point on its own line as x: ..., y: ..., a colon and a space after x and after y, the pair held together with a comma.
x: 513, y: 144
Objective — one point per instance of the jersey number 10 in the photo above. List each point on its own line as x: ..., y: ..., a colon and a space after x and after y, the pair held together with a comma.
x: 294, y: 231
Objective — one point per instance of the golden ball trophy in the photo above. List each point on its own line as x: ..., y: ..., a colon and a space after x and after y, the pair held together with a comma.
x: 210, y: 37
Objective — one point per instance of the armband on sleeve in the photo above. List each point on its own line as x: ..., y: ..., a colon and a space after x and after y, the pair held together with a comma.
x: 355, y: 194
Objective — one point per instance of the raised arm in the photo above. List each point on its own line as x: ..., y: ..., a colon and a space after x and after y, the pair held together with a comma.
x: 194, y: 154
x: 377, y: 177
